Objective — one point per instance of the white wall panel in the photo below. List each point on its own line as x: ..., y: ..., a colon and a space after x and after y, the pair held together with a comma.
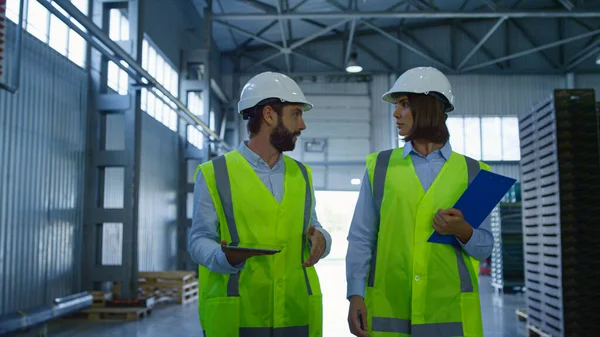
x: 492, y: 95
x: 348, y: 149
x: 337, y: 178
x: 328, y: 101
x: 336, y: 114
x: 338, y: 129
x: 383, y: 137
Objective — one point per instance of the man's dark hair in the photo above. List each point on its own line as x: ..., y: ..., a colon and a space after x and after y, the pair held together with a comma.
x: 255, y: 114
x: 429, y: 119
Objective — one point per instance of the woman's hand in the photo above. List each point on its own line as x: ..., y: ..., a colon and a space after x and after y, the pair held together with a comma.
x: 452, y: 222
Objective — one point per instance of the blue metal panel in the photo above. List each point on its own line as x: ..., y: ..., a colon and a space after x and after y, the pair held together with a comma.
x: 42, y: 164
x: 157, y: 228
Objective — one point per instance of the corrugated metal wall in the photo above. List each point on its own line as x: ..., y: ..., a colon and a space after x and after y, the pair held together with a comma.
x: 383, y: 131
x: 157, y: 230
x: 42, y: 165
x: 157, y: 226
x: 493, y: 95
x: 341, y: 117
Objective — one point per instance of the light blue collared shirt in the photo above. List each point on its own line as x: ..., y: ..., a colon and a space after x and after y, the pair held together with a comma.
x: 204, y: 244
x: 363, y: 229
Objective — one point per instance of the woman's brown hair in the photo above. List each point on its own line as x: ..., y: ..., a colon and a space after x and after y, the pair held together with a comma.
x: 429, y: 119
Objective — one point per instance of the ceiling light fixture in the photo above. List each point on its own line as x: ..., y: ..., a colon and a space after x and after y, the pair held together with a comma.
x: 353, y: 66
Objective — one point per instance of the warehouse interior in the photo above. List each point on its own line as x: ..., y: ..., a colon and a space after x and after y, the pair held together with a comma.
x: 108, y: 106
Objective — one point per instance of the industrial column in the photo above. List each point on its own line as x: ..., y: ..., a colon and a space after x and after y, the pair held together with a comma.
x: 195, y: 81
x: 113, y: 177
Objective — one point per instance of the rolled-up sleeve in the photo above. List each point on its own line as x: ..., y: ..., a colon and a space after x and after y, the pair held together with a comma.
x: 362, y: 238
x: 204, y: 244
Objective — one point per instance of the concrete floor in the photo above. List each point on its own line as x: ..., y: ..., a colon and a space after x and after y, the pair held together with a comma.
x: 499, y: 317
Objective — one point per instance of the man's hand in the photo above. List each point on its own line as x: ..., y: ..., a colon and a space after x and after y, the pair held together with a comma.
x: 452, y: 222
x: 235, y: 257
x: 318, y: 243
x: 357, y: 316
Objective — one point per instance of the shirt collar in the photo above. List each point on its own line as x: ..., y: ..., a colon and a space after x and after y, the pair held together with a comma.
x: 446, y: 150
x: 253, y: 158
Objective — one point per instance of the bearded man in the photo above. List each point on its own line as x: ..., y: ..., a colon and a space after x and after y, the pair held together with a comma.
x: 255, y: 196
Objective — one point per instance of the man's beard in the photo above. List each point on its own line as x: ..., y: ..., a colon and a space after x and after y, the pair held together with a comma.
x: 282, y: 138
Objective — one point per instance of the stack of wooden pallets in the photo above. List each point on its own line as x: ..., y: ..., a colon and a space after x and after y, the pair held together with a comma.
x: 104, y: 308
x: 176, y: 286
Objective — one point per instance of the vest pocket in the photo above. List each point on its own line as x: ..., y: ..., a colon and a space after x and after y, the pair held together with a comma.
x: 315, y: 302
x: 471, y: 315
x: 221, y: 317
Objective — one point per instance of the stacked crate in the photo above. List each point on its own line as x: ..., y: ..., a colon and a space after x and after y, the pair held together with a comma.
x: 175, y: 286
x: 560, y: 167
x: 507, y: 256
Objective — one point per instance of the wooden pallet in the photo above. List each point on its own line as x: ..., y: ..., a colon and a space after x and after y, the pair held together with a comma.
x: 521, y: 315
x: 179, y: 286
x: 99, y: 298
x: 111, y: 314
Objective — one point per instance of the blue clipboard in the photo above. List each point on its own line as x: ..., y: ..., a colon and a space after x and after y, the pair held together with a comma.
x: 479, y: 199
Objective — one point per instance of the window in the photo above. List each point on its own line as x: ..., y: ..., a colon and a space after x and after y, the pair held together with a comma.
x: 51, y: 30
x: 118, y: 30
x: 195, y: 103
x: 212, y: 122
x: 157, y: 104
x: 484, y: 138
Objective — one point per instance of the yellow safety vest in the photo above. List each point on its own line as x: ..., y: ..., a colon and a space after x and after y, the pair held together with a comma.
x: 273, y: 295
x: 416, y: 288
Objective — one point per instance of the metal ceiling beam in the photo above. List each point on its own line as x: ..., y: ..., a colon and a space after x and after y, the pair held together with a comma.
x: 259, y: 33
x: 491, y: 4
x: 534, y: 50
x: 247, y: 33
x: 254, y: 59
x: 289, y: 31
x: 315, y: 59
x: 283, y: 38
x: 259, y: 5
x: 590, y: 45
x: 423, y: 47
x: 267, y: 59
x: 567, y: 4
x: 593, y: 51
x: 528, y: 37
x: 406, y: 45
x: 482, y: 41
x: 419, y: 4
x: 350, y: 38
x: 229, y: 29
x: 473, y: 39
x: 368, y: 32
x: 270, y: 25
x: 370, y: 52
x: 336, y: 5
x: 317, y: 34
x: 411, y: 15
x: 298, y: 43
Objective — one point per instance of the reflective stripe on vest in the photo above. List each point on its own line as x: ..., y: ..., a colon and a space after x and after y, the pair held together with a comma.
x: 224, y: 189
x: 293, y: 331
x: 403, y: 326
x: 395, y: 325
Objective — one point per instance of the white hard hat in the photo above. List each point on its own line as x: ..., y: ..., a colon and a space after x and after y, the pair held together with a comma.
x: 271, y: 85
x: 423, y: 80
